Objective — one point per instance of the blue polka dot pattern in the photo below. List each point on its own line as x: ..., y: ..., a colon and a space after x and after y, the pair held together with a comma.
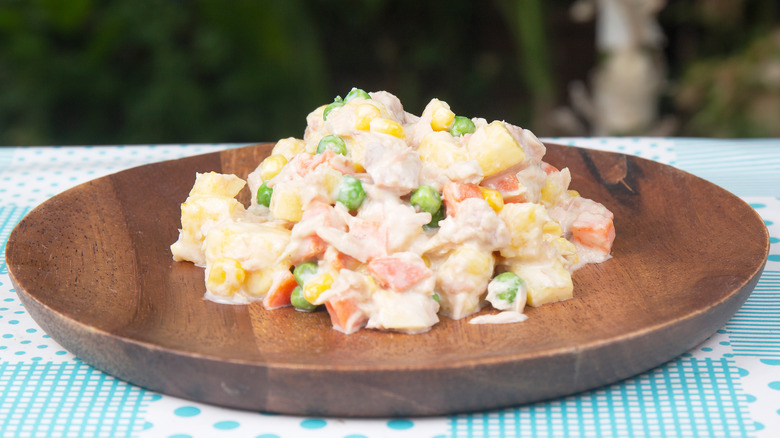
x: 313, y: 423
x: 400, y: 424
x: 226, y: 425
x: 187, y: 411
x: 775, y: 385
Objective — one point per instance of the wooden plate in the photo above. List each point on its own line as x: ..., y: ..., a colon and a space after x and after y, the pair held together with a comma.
x: 93, y: 268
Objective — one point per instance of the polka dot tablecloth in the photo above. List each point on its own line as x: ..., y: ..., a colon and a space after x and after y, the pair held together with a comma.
x: 727, y: 386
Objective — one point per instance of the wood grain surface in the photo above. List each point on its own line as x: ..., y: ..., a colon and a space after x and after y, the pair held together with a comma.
x: 93, y: 268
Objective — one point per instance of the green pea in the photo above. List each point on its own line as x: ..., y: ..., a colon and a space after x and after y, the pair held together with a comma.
x: 426, y: 198
x: 299, y: 301
x: 511, y: 284
x: 462, y: 126
x: 350, y: 192
x: 330, y: 108
x: 305, y: 271
x: 337, y: 102
x: 334, y: 143
x: 356, y: 93
x: 264, y: 195
x: 440, y: 214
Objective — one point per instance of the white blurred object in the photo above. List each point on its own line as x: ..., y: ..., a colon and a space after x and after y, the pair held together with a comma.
x: 626, y: 86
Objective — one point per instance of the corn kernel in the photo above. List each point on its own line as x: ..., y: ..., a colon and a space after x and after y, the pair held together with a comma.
x: 573, y: 193
x: 426, y: 260
x: 364, y: 114
x: 225, y: 276
x: 387, y: 126
x: 553, y: 228
x: 493, y: 198
x: 441, y: 119
x: 271, y: 166
x: 316, y: 286
x: 440, y: 114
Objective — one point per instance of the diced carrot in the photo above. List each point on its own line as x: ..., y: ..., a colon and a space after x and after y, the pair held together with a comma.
x: 457, y: 192
x: 397, y: 273
x: 345, y: 314
x: 310, y: 247
x: 509, y: 187
x: 548, y: 168
x: 453, y: 193
x: 281, y: 289
x: 593, y: 231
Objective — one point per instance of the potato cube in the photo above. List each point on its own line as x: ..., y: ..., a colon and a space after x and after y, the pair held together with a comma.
x: 441, y: 150
x: 286, y: 203
x: 289, y: 147
x: 526, y: 222
x: 494, y: 148
x: 547, y: 283
x: 462, y: 280
x: 216, y: 184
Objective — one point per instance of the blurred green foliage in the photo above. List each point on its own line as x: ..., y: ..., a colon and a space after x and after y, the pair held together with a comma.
x: 725, y: 66
x: 200, y: 71
x: 144, y: 71
x: 86, y: 71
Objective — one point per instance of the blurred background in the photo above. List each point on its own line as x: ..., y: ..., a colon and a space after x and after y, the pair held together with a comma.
x: 205, y: 71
